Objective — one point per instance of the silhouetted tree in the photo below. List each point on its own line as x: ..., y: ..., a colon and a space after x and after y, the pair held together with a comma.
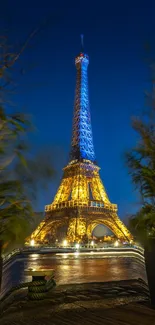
x: 141, y: 165
x: 21, y: 171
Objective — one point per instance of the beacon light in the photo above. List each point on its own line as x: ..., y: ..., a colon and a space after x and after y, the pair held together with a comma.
x: 65, y: 243
x: 32, y: 242
x: 116, y: 243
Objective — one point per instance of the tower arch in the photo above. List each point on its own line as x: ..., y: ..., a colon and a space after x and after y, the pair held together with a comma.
x: 113, y: 227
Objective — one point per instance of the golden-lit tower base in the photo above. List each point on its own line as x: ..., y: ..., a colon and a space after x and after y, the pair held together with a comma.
x: 81, y: 203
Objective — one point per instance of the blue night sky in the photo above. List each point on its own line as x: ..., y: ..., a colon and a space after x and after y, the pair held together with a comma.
x: 115, y: 33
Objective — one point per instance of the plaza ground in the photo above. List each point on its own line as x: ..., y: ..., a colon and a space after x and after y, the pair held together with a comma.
x: 119, y: 302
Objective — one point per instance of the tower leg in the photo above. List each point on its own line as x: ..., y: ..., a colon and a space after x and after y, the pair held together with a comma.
x: 71, y: 230
x: 76, y: 229
x: 89, y: 231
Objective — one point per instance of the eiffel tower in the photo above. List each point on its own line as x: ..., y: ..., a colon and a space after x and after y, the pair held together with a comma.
x: 81, y: 202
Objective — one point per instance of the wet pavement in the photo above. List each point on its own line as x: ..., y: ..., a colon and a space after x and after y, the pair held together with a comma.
x: 89, y: 290
x: 74, y: 268
x: 118, y: 302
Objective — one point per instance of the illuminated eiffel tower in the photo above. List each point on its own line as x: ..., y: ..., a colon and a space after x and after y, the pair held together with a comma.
x: 81, y: 202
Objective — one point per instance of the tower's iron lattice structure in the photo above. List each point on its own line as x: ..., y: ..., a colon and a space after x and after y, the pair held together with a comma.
x: 81, y: 202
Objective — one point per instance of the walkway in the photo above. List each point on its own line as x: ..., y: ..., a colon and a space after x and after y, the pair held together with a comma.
x: 123, y: 302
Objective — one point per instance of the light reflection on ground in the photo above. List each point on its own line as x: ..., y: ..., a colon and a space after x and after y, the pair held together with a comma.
x: 75, y: 268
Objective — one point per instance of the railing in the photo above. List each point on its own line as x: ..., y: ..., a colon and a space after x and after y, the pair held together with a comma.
x: 90, y: 204
x: 111, y: 251
x: 7, y: 257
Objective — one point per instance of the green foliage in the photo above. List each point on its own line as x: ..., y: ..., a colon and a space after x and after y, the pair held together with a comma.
x: 14, y: 205
x: 141, y: 165
x: 21, y: 172
x: 142, y: 224
x: 141, y: 161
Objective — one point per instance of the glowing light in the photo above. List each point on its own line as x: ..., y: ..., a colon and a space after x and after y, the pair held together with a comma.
x: 35, y: 257
x: 65, y: 243
x: 32, y: 242
x: 116, y: 243
x: 92, y: 243
x: 81, y: 186
x: 77, y: 246
x: 82, y: 139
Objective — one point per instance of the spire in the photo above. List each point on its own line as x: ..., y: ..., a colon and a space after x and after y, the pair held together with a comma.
x: 82, y: 140
x: 82, y: 43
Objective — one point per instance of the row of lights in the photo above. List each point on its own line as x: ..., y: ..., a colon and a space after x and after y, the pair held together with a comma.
x: 65, y: 243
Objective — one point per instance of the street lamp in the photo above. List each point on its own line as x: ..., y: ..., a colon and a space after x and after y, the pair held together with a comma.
x: 116, y: 243
x: 77, y: 246
x: 32, y: 242
x: 65, y: 243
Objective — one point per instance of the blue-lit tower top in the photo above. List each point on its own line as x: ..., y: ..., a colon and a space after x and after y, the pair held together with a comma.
x: 82, y: 139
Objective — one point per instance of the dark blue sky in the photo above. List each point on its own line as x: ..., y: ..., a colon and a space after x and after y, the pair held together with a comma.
x: 114, y: 35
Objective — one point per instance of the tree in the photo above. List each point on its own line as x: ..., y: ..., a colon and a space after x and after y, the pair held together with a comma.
x: 21, y: 172
x: 141, y: 165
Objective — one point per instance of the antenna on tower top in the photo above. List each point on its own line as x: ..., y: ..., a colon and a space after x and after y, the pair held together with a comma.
x: 82, y: 44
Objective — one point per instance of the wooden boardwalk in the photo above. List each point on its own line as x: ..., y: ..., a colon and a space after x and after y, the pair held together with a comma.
x: 131, y: 314
x: 120, y: 303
